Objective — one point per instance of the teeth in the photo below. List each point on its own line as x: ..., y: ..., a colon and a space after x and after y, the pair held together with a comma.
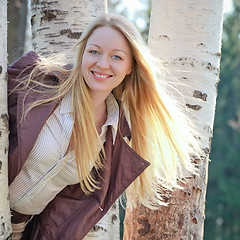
x: 101, y: 76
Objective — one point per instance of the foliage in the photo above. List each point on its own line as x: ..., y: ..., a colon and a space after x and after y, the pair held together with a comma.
x: 223, y: 205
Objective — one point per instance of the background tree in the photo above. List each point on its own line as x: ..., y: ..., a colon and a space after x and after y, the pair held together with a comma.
x: 17, y: 18
x: 5, y: 224
x: 223, y: 205
x: 187, y: 38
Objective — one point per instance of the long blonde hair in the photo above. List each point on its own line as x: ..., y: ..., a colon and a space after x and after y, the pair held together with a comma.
x: 160, y: 132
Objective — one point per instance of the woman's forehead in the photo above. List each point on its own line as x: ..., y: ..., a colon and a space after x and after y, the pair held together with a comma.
x: 110, y: 38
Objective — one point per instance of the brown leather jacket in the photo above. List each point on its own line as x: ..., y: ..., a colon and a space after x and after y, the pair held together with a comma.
x: 71, y: 214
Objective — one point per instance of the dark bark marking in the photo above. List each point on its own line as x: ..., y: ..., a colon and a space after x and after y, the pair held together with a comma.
x: 96, y: 228
x: 199, y: 94
x: 43, y: 3
x: 1, y: 69
x: 163, y: 37
x: 48, y: 16
x: 70, y: 34
x: 215, y: 54
x: 194, y: 220
x: 41, y: 29
x: 4, y: 117
x: 194, y: 107
x: 206, y: 151
x: 145, y: 226
x: 52, y: 35
x: 56, y: 43
x: 32, y: 19
x: 187, y: 193
x: 114, y: 206
x: 114, y: 218
x: 184, y: 61
x: 62, y: 22
x: 181, y: 221
x: 210, y: 67
x: 193, y: 62
x: 201, y: 45
x: 216, y: 85
x: 196, y: 189
x: 0, y: 165
x: 3, y: 225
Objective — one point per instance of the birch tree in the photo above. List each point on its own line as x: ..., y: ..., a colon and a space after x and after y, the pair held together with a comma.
x: 186, y: 36
x: 56, y: 27
x: 5, y: 223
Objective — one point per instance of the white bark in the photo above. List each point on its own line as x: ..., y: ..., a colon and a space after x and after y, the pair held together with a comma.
x: 108, y: 228
x: 58, y: 24
x: 186, y: 36
x: 5, y: 223
x: 56, y: 27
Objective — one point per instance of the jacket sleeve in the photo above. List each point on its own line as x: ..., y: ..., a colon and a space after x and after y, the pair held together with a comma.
x: 16, y: 71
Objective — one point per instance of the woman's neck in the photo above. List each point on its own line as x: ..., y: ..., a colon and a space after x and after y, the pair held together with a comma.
x: 100, y: 111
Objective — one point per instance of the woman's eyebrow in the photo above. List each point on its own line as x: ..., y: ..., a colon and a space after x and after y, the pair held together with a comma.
x: 116, y: 49
x: 119, y: 50
x: 92, y: 44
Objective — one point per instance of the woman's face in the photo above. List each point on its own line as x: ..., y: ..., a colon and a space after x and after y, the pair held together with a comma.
x: 106, y: 61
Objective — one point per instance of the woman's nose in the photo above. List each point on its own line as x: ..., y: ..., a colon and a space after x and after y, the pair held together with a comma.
x: 103, y: 62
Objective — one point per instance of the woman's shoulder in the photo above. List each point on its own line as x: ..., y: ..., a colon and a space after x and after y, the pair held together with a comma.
x: 29, y: 59
x: 22, y: 67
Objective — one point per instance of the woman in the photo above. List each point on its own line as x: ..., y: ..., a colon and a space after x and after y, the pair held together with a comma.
x: 70, y: 125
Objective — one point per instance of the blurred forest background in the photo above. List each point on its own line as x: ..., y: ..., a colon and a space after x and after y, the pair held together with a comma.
x: 223, y: 195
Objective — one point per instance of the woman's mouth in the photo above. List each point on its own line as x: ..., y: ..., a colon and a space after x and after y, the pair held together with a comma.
x: 101, y: 76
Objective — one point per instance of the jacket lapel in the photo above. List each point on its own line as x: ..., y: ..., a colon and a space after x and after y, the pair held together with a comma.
x: 31, y: 125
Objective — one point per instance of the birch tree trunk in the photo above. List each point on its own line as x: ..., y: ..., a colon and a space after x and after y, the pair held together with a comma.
x: 56, y: 27
x: 108, y: 228
x: 5, y: 223
x: 186, y: 36
x: 57, y: 24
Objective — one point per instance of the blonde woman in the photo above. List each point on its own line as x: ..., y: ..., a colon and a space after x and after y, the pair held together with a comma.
x: 81, y: 135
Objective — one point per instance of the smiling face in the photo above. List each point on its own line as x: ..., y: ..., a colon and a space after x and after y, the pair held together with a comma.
x: 106, y: 60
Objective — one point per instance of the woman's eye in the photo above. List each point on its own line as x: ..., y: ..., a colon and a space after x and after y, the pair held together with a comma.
x: 93, y: 52
x: 117, y: 57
